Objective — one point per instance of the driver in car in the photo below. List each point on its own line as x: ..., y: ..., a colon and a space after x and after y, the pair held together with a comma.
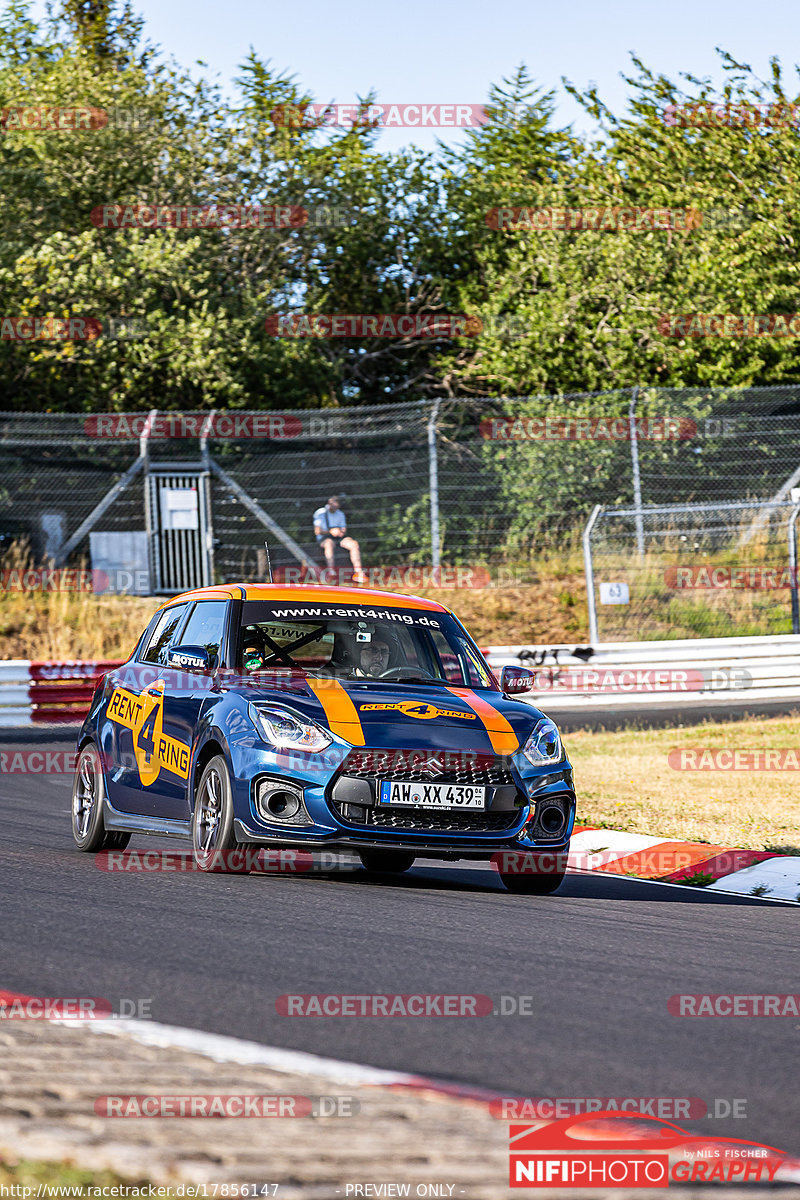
x: 252, y: 655
x: 374, y: 658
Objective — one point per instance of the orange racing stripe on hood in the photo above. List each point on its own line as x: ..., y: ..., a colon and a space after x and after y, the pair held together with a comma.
x: 501, y: 735
x: 342, y: 716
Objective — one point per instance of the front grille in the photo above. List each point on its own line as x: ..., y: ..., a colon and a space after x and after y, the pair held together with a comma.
x: 408, y: 766
x: 428, y: 820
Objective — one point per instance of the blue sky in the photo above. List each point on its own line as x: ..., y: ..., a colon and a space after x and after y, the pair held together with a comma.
x: 452, y: 50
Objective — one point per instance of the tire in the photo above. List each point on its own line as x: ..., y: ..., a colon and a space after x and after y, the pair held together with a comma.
x: 88, y: 791
x: 213, y: 840
x: 533, y: 885
x: 394, y: 861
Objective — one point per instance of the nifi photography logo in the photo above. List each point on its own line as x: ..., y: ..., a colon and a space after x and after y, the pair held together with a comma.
x: 601, y: 1150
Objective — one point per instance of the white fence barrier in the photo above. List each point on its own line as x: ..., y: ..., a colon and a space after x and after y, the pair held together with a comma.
x: 47, y: 692
x: 637, y: 674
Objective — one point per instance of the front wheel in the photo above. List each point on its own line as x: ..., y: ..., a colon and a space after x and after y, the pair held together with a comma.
x: 88, y: 828
x: 533, y: 885
x: 213, y: 840
x: 394, y: 861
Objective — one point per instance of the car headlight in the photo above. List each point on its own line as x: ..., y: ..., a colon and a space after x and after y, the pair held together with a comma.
x: 288, y: 730
x: 544, y: 744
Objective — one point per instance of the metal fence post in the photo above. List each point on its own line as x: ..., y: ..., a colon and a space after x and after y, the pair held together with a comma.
x: 637, y: 479
x: 433, y: 477
x: 793, y: 567
x: 205, y: 434
x: 589, y: 572
x: 152, y: 520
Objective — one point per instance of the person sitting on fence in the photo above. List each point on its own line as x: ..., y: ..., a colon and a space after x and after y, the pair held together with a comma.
x: 330, y: 527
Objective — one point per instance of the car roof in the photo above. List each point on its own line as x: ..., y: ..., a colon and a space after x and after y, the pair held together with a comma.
x: 333, y: 595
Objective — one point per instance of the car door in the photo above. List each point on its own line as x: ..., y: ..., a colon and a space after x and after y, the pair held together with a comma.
x: 131, y: 715
x: 184, y: 694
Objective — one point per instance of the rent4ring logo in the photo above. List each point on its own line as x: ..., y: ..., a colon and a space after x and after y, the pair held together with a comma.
x: 144, y: 716
x: 601, y: 1150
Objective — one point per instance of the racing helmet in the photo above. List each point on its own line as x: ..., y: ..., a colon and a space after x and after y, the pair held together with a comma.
x: 254, y: 648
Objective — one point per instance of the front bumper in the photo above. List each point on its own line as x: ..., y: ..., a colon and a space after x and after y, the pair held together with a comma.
x: 341, y: 812
x: 477, y: 850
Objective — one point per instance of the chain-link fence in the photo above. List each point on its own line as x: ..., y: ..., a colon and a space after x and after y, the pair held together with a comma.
x: 452, y: 482
x: 692, y: 570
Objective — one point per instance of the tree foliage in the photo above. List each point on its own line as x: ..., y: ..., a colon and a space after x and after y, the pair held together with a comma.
x: 563, y: 311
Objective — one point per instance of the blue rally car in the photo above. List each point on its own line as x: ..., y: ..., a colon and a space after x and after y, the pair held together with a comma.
x: 303, y: 717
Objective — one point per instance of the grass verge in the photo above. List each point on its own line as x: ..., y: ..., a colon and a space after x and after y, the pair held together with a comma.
x: 65, y: 1179
x: 624, y: 781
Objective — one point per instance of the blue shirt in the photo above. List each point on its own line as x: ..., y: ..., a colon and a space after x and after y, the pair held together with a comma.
x: 330, y: 520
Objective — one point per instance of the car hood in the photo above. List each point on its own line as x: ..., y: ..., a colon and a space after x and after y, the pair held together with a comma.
x: 393, y: 714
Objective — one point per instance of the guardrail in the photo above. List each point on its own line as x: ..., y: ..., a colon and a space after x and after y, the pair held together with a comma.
x: 637, y: 674
x: 618, y: 674
x: 49, y: 693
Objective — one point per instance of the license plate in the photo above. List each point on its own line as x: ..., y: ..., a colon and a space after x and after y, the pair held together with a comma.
x: 431, y: 795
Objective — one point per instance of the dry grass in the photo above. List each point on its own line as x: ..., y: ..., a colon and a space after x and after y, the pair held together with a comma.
x: 61, y: 626
x: 549, y: 610
x: 67, y: 624
x: 70, y: 625
x: 624, y: 781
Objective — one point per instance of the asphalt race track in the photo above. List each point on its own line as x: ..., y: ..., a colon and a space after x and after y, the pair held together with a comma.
x: 600, y: 960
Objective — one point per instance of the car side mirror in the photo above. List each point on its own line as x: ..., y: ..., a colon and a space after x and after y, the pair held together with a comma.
x: 189, y: 658
x: 514, y: 680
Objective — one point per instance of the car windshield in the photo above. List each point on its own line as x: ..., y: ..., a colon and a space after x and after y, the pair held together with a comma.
x: 380, y: 644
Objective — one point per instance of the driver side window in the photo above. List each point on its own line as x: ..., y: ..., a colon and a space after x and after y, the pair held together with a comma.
x: 206, y: 628
x: 156, y: 649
